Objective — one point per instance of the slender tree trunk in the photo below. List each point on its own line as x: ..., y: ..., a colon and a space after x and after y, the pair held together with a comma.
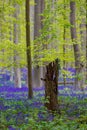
x: 37, y: 71
x: 83, y: 45
x: 17, y: 71
x: 64, y: 47
x: 78, y: 64
x: 86, y: 51
x: 64, y: 63
x: 12, y: 58
x: 86, y: 40
x: 28, y: 44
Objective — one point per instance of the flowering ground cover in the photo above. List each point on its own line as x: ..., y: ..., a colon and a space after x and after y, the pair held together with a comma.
x: 19, y: 113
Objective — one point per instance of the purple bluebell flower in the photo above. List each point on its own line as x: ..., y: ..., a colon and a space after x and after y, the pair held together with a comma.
x: 11, y: 128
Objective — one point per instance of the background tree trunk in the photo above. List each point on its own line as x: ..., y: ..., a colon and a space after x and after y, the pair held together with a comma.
x: 83, y: 46
x: 38, y: 70
x: 64, y: 47
x: 17, y: 71
x: 86, y: 50
x: 86, y: 41
x: 78, y: 64
x: 28, y: 44
x: 12, y: 58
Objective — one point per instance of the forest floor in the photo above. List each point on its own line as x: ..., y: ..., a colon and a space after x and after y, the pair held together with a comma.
x: 19, y: 113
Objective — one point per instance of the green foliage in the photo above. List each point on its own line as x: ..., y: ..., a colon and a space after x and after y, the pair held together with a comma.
x: 66, y: 121
x: 49, y: 45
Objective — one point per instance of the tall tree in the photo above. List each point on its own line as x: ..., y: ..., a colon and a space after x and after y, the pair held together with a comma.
x: 86, y: 39
x: 28, y: 45
x: 78, y: 64
x: 11, y: 39
x: 17, y: 71
x: 86, y: 50
x: 83, y: 45
x: 38, y: 71
x: 64, y: 47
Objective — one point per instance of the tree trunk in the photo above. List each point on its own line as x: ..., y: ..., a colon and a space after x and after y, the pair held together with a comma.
x: 86, y: 41
x: 78, y: 63
x: 37, y: 71
x: 83, y: 45
x: 51, y: 84
x: 12, y: 58
x: 86, y: 51
x: 28, y: 45
x: 64, y: 47
x: 17, y: 71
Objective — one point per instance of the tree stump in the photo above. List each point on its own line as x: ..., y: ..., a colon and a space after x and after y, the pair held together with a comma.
x: 51, y: 85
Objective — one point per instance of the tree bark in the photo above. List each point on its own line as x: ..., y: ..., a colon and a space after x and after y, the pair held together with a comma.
x: 83, y: 45
x: 64, y: 47
x: 17, y: 71
x: 37, y: 71
x: 51, y: 85
x: 78, y: 63
x: 86, y: 41
x: 86, y: 51
x: 28, y: 45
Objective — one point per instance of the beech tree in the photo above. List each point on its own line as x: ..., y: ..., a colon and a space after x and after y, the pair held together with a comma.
x: 86, y: 40
x: 64, y: 47
x: 77, y: 53
x: 17, y: 71
x: 37, y: 70
x: 28, y: 51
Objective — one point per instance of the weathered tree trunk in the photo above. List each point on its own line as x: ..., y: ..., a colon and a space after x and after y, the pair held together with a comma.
x: 17, y: 71
x: 78, y: 63
x: 51, y: 86
x: 28, y: 44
